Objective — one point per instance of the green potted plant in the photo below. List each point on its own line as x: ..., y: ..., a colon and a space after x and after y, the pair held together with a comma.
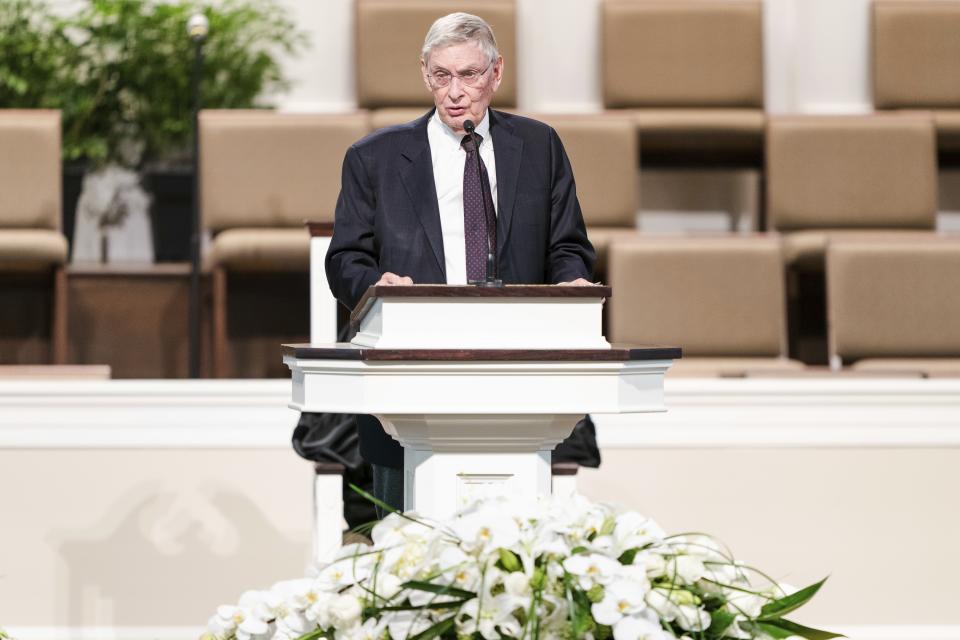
x: 138, y: 63
x: 120, y: 72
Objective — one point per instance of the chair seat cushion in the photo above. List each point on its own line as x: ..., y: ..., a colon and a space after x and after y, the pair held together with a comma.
x: 731, y: 367
x: 805, y: 250
x: 262, y: 250
x: 928, y: 367
x: 31, y: 249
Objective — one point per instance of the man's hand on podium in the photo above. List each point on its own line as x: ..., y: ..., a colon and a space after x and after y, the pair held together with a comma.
x: 579, y: 282
x: 393, y: 279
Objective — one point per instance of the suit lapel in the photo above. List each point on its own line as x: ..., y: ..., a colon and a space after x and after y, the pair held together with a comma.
x: 508, y: 149
x: 416, y: 173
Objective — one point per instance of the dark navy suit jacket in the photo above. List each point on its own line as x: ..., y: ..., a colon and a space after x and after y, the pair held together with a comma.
x: 388, y: 219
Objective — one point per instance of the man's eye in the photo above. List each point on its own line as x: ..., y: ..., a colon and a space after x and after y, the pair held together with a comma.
x: 440, y: 75
x: 468, y: 75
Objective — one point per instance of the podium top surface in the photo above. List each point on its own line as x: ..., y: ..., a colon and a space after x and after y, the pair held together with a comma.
x: 471, y: 291
x: 347, y: 351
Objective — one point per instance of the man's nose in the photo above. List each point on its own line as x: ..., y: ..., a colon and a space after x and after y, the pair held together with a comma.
x: 456, y: 88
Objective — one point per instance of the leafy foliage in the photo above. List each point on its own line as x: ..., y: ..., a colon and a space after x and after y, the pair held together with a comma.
x: 120, y: 70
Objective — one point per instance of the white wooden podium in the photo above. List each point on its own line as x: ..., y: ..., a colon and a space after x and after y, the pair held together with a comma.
x: 478, y: 384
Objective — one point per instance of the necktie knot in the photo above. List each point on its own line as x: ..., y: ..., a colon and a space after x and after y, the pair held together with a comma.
x: 467, y: 142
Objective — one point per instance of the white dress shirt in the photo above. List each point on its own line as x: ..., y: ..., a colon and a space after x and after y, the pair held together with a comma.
x: 448, y: 162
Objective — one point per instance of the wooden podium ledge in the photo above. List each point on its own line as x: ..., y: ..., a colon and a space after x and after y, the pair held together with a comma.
x: 347, y: 351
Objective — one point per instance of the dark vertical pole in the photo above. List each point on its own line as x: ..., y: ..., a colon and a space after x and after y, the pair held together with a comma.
x: 195, y: 298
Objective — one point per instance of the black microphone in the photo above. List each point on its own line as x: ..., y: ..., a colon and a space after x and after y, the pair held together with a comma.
x: 492, y: 279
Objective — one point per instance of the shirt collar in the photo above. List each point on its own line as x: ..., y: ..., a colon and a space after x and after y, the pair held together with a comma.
x: 483, y: 129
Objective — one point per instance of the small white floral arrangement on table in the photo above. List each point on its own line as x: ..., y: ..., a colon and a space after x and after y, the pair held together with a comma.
x: 549, y: 569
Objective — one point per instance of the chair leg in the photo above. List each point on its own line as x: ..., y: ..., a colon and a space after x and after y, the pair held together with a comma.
x: 220, y: 359
x: 58, y: 323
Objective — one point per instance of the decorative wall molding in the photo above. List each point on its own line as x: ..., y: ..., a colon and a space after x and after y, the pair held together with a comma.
x: 146, y: 413
x: 794, y: 412
x: 855, y: 632
x: 815, y: 412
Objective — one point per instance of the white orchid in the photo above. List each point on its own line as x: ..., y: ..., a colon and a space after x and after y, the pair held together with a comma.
x: 679, y: 605
x: 621, y: 599
x: 592, y: 569
x: 484, y: 531
x: 345, y: 610
x: 640, y: 628
x: 489, y: 617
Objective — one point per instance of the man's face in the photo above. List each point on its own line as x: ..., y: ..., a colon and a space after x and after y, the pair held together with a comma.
x: 458, y: 102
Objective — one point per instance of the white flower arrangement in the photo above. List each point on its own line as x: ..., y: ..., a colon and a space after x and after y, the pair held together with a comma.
x: 551, y: 568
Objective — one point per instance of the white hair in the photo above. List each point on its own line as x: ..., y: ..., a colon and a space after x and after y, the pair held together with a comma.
x: 457, y: 28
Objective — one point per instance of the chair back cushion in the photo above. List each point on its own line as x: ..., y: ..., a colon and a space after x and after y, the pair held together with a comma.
x: 890, y: 298
x: 268, y: 169
x: 389, y: 37
x: 30, y: 169
x: 916, y: 54
x: 603, y: 152
x: 720, y: 296
x: 682, y: 53
x: 831, y: 172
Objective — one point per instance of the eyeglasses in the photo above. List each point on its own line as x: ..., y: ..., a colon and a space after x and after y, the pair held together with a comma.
x: 442, y: 78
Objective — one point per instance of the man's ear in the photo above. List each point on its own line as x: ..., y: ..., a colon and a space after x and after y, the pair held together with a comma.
x: 423, y: 74
x: 497, y: 72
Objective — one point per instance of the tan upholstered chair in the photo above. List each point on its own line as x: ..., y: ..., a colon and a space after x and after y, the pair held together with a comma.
x: 894, y: 305
x: 719, y: 298
x: 603, y: 151
x: 389, y: 36
x: 690, y: 73
x: 30, y: 204
x: 916, y: 63
x: 262, y: 175
x: 842, y: 176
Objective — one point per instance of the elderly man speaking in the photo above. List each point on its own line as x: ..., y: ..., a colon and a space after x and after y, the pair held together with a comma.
x: 412, y: 205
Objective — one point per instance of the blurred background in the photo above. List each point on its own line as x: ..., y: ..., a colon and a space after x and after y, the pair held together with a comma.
x: 771, y: 184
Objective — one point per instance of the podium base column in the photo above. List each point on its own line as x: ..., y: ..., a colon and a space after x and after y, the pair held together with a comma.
x: 449, y: 461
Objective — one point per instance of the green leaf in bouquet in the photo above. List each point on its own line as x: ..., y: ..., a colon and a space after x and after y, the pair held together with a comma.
x: 603, y: 632
x: 578, y: 550
x: 765, y: 628
x: 436, y: 630
x: 628, y: 556
x: 439, y: 589
x: 785, y: 629
x: 720, y: 621
x: 785, y: 605
x: 581, y: 620
x: 509, y: 561
x: 316, y: 634
x: 450, y: 604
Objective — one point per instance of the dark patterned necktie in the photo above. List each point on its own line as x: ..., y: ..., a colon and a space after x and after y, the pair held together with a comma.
x: 474, y: 194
